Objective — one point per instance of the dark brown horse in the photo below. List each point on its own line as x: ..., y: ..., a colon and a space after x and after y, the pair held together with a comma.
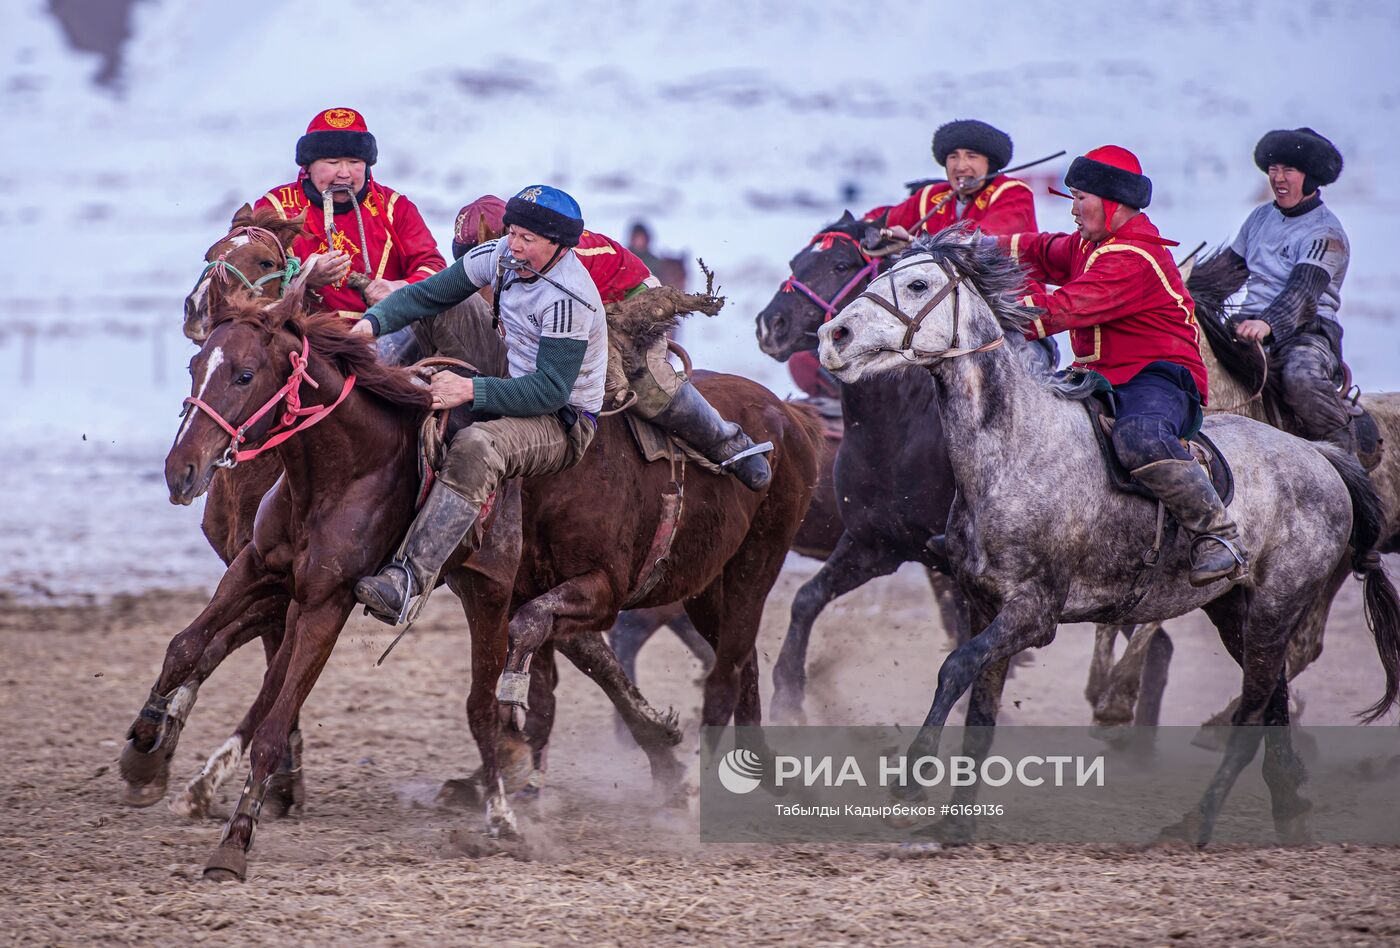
x: 893, y: 482
x: 347, y: 495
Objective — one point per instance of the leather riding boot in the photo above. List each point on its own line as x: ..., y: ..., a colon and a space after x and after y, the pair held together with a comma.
x: 437, y: 531
x: 1184, y: 488
x: 691, y: 418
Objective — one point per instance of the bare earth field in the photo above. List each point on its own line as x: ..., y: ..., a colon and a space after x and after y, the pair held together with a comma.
x: 373, y: 860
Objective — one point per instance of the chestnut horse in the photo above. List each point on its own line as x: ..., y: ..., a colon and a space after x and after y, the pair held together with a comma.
x: 254, y: 259
x: 347, y: 497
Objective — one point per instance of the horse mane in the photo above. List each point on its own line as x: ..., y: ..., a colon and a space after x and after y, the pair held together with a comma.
x: 1001, y: 283
x: 330, y: 337
x: 1213, y: 281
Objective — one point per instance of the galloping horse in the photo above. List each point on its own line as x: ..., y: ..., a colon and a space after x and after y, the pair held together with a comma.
x: 893, y: 481
x: 252, y: 260
x: 1027, y: 560
x: 1238, y: 385
x: 347, y: 495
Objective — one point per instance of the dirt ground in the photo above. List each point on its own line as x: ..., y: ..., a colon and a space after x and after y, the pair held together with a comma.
x: 372, y: 860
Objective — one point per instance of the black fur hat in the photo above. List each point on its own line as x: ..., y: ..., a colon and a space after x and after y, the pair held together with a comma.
x: 1300, y: 148
x: 974, y: 136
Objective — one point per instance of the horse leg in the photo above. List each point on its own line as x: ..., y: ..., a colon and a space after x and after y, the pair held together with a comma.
x: 1105, y: 638
x: 952, y: 607
x: 1025, y: 621
x: 562, y: 610
x: 633, y: 629
x: 238, y: 606
x: 1284, y: 772
x: 286, y: 794
x: 486, y: 602
x: 1303, y: 649
x: 984, y: 702
x: 1118, y: 699
x: 656, y: 734
x: 1240, y: 619
x: 303, y: 655
x: 196, y: 800
x: 1154, y: 679
x: 850, y: 566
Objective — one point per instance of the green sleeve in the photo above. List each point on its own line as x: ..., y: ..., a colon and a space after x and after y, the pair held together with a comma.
x: 542, y: 392
x: 408, y: 304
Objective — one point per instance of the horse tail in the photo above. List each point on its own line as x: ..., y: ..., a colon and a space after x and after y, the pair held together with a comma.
x: 1381, y: 602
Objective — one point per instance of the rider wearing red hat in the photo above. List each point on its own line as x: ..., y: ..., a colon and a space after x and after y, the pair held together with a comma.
x: 378, y: 241
x: 1132, y: 321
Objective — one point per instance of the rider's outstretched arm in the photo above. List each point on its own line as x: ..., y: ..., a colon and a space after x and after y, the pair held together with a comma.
x: 420, y: 300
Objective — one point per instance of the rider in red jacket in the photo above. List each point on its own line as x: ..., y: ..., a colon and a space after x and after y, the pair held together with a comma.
x: 337, y: 152
x: 976, y: 193
x: 1131, y: 319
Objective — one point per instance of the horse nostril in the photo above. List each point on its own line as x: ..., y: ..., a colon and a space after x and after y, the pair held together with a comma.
x: 189, y: 476
x: 839, y: 333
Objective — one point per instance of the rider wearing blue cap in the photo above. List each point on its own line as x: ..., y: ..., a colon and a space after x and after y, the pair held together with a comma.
x: 557, y: 349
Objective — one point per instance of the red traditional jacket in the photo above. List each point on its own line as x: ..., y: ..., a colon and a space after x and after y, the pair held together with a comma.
x: 400, y: 247
x: 1003, y: 206
x: 615, y: 270
x: 1122, y: 300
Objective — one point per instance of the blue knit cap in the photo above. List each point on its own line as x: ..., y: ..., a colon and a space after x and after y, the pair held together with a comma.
x: 548, y: 212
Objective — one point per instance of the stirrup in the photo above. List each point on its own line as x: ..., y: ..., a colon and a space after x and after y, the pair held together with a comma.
x: 762, y: 447
x: 402, y: 616
x: 1226, y: 542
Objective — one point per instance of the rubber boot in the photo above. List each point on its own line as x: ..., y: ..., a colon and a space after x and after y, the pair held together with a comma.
x: 694, y: 420
x: 1185, y: 490
x: 437, y: 531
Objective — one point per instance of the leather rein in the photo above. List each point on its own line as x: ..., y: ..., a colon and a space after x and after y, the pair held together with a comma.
x: 912, y: 324
x: 295, y: 419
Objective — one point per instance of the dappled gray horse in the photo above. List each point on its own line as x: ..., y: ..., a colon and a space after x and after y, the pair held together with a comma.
x: 1030, y: 555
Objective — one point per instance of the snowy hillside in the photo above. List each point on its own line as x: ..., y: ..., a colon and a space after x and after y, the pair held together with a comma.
x: 734, y: 129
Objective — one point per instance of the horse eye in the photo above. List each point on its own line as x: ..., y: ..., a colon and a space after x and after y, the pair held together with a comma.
x: 244, y: 378
x: 267, y: 264
x: 918, y: 286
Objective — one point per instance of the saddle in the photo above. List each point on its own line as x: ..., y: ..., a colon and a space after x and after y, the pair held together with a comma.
x: 1205, y: 452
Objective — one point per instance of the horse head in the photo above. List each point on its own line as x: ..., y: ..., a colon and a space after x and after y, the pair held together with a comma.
x: 950, y: 295
x: 253, y: 258
x: 244, y: 361
x: 833, y: 267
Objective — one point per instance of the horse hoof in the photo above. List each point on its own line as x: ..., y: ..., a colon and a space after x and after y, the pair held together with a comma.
x: 146, y: 774
x: 144, y: 794
x: 286, y: 795
x: 459, y: 794
x: 787, y: 711
x: 191, y: 804
x: 1114, y: 735
x: 228, y: 864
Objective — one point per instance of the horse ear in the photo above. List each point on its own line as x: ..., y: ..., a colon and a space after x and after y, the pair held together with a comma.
x: 847, y: 218
x: 243, y: 217
x: 289, y: 230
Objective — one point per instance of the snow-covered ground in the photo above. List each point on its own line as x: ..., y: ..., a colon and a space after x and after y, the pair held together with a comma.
x: 735, y: 129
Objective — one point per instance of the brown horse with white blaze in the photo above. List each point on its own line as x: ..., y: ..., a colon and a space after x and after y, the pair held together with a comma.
x: 347, y: 496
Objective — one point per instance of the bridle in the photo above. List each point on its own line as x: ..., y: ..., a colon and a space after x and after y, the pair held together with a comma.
x: 870, y: 270
x: 912, y: 324
x: 223, y: 271
x: 287, y: 425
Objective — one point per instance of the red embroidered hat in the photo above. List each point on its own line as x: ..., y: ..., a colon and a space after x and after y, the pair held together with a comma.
x: 337, y: 133
x: 478, y: 222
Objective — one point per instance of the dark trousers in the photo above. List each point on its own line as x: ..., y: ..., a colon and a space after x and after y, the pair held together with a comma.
x: 1310, y: 370
x: 1156, y: 409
